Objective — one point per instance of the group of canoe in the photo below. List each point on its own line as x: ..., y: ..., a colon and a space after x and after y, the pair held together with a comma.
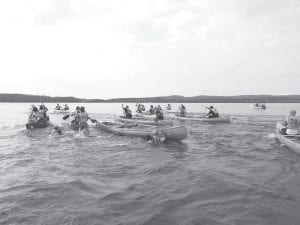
x: 157, y: 125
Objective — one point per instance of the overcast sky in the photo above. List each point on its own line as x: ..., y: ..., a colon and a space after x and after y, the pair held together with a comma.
x: 133, y: 48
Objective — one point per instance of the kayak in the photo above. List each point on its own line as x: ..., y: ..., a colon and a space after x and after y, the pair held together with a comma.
x: 291, y: 141
x: 204, y: 119
x: 171, y: 133
x: 145, y: 121
x: 40, y: 124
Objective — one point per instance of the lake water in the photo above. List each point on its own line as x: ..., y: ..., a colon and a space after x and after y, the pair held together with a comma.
x: 221, y: 174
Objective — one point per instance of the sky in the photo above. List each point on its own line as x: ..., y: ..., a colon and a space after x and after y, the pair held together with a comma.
x: 142, y: 48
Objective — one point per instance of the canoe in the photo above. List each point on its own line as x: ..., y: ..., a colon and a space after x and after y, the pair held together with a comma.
x: 204, y: 119
x: 141, y: 120
x: 40, y: 124
x: 289, y: 140
x: 61, y: 111
x: 171, y: 133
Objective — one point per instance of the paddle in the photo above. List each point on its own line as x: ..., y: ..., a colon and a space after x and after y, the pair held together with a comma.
x: 66, y: 117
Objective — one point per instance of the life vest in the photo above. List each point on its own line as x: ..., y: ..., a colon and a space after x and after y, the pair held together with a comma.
x: 83, y: 117
x: 33, y: 118
x: 292, y: 122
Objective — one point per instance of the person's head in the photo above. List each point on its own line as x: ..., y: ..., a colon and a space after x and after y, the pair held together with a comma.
x: 151, y: 106
x: 127, y: 107
x: 211, y: 107
x: 77, y: 108
x: 58, y: 130
x: 34, y: 109
x: 293, y: 112
x: 82, y: 109
x: 154, y: 133
x: 41, y: 107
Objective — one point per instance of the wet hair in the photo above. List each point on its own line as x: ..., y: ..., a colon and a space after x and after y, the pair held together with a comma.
x: 82, y: 109
x: 41, y: 107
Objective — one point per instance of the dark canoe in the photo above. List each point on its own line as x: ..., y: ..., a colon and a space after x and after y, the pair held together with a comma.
x: 40, y: 124
x: 171, y: 133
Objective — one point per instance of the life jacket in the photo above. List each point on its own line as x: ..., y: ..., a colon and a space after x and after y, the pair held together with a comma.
x: 292, y: 122
x: 33, y: 117
x: 159, y: 115
x: 83, y: 117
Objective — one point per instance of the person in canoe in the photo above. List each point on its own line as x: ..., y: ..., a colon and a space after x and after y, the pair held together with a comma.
x: 83, y: 119
x: 57, y: 107
x: 159, y: 114
x: 151, y: 110
x: 139, y: 108
x: 168, y: 107
x: 66, y: 107
x: 157, y: 138
x: 182, y: 110
x: 213, y: 113
x: 42, y: 113
x: 76, y: 117
x: 292, y: 124
x: 127, y: 111
x: 34, y: 115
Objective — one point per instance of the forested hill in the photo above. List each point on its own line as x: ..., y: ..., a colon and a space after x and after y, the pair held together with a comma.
x: 42, y: 98
x: 165, y: 99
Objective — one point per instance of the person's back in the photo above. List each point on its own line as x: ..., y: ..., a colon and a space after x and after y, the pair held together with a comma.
x: 33, y: 117
x: 127, y: 111
x: 159, y: 115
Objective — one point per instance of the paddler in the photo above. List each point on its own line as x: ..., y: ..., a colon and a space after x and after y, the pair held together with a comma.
x: 42, y: 113
x: 159, y: 114
x: 33, y: 117
x: 76, y: 116
x: 292, y: 123
x: 213, y: 113
x: 127, y: 111
x: 83, y: 120
x: 151, y: 110
x: 182, y: 110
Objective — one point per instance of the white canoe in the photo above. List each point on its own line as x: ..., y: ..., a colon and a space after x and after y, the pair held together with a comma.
x: 61, y: 111
x: 291, y: 141
x: 140, y: 120
x: 172, y: 133
x: 204, y: 119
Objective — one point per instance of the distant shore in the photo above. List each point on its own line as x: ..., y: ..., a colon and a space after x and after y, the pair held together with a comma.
x: 162, y: 99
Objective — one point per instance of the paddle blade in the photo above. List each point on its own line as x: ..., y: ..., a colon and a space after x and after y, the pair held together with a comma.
x: 93, y: 120
x: 66, y: 117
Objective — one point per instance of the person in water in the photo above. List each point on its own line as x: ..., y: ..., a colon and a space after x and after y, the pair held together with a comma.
x: 56, y: 131
x: 292, y: 124
x: 34, y: 116
x: 157, y: 138
x: 127, y: 111
x: 213, y: 113
x: 182, y: 110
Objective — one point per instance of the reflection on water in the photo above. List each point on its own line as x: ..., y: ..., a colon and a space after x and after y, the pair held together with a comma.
x: 221, y: 174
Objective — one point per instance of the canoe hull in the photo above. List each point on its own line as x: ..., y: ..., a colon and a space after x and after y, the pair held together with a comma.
x: 145, y: 121
x: 286, y: 141
x: 171, y: 133
x: 205, y: 120
x: 38, y: 125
